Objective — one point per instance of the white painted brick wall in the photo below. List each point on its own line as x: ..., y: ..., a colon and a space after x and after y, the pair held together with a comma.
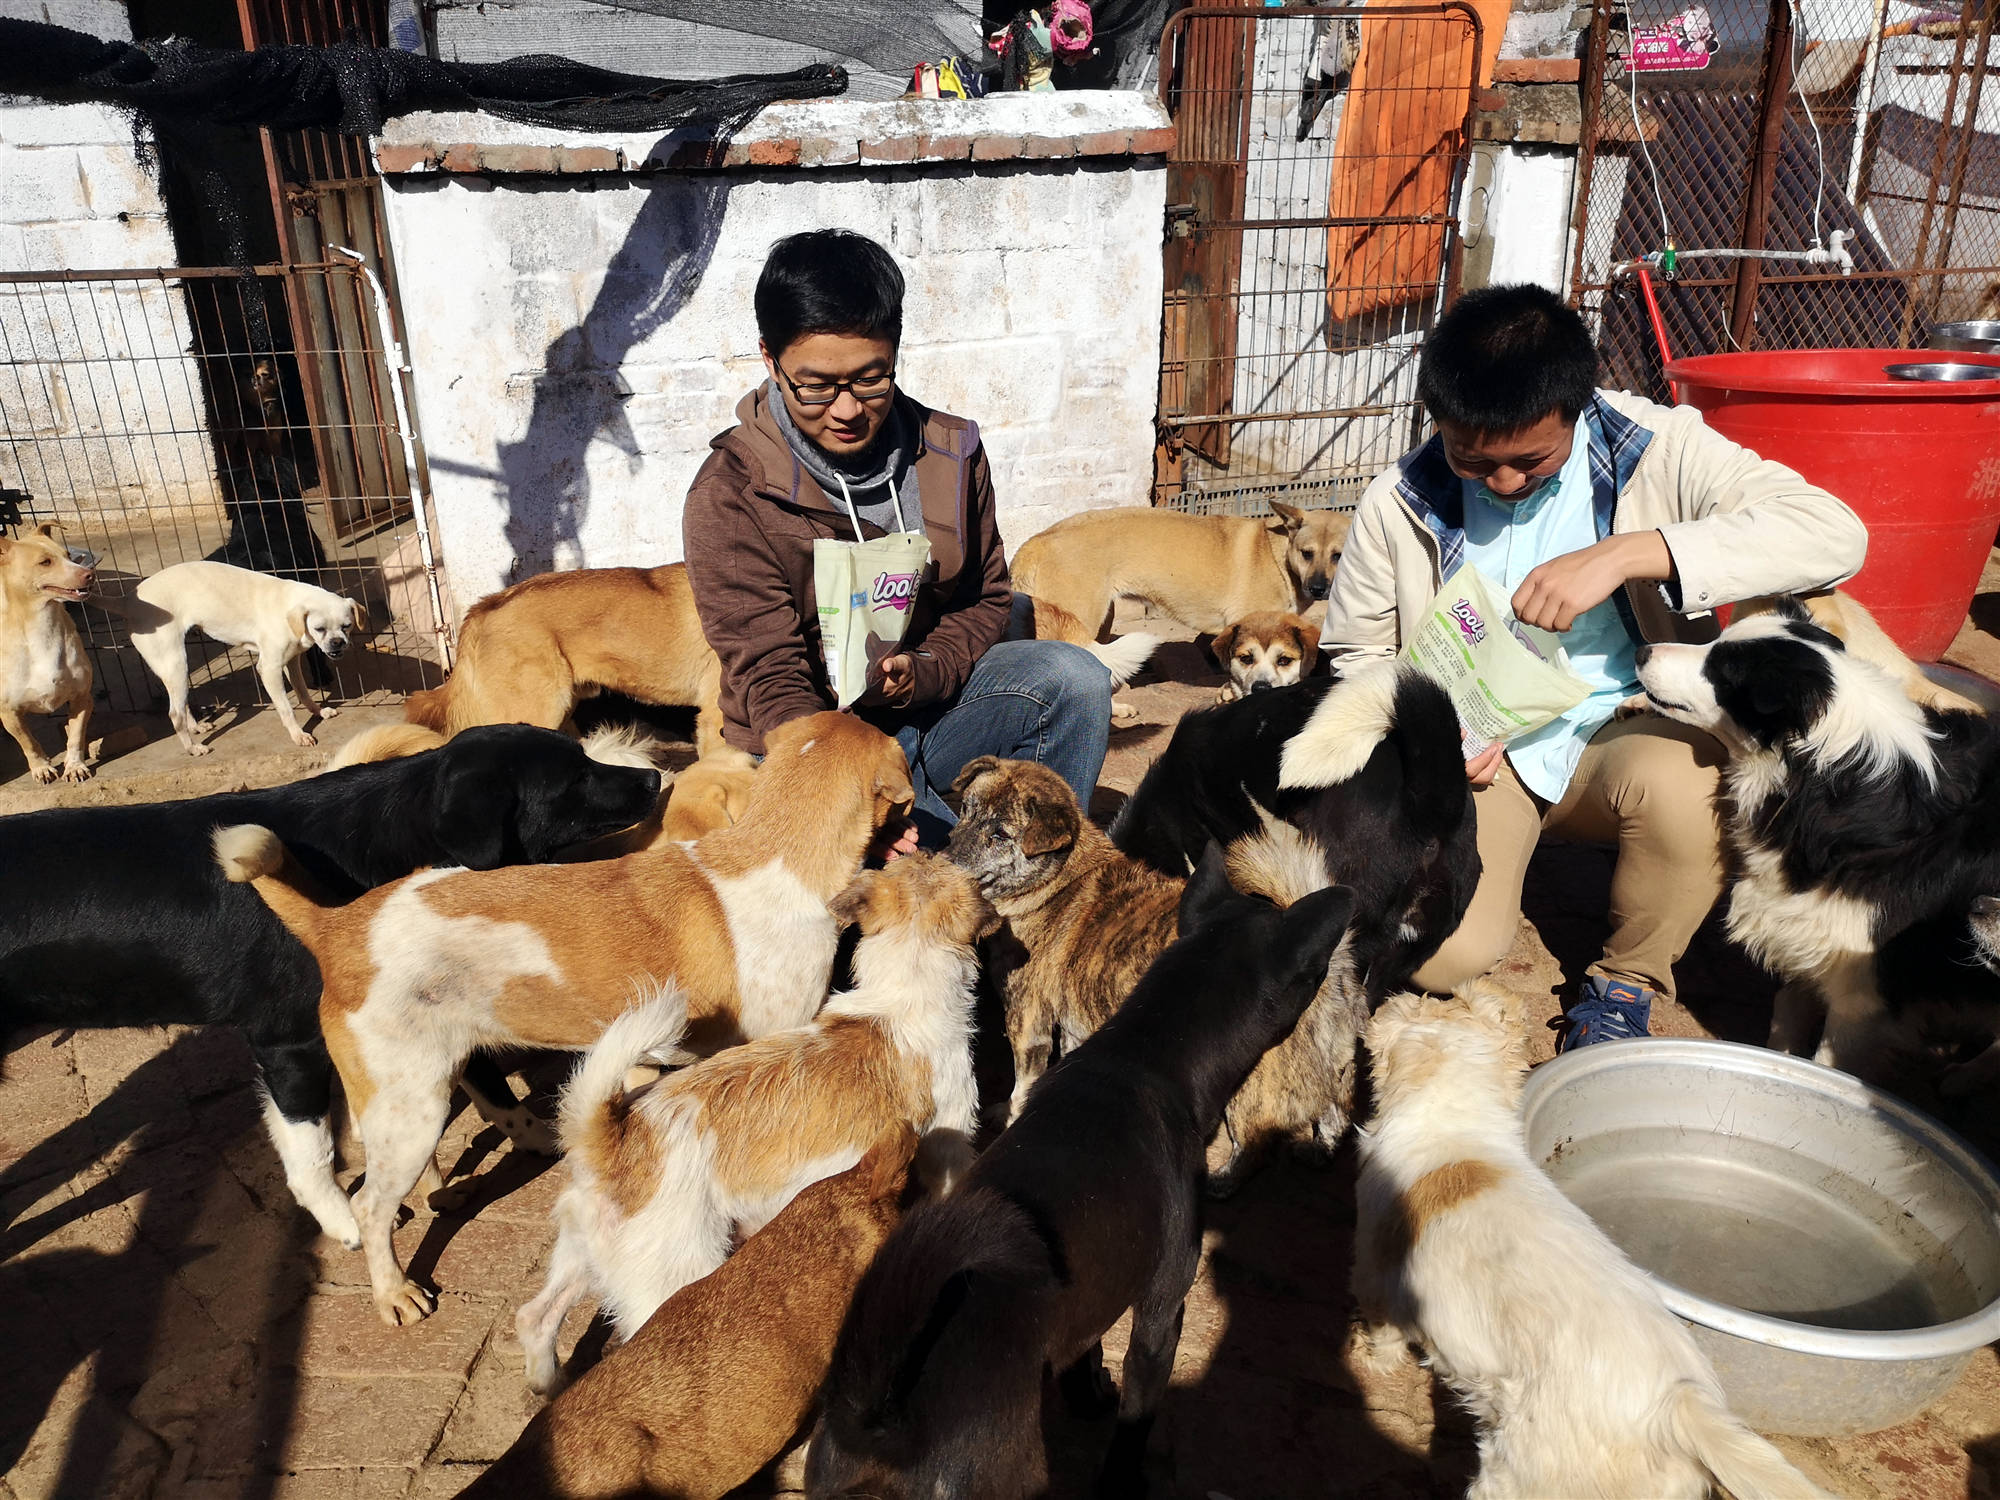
x: 100, y: 407
x: 1033, y: 308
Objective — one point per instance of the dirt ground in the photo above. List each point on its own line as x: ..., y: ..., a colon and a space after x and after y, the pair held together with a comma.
x: 174, y: 1326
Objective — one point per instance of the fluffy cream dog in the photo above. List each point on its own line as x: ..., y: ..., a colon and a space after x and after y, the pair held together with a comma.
x: 665, y: 1171
x: 276, y: 618
x: 1583, y: 1384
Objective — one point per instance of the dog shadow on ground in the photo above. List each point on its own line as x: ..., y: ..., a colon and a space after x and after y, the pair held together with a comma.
x: 127, y: 1289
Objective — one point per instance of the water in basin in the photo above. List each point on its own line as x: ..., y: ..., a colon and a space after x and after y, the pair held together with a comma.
x: 1764, y: 1229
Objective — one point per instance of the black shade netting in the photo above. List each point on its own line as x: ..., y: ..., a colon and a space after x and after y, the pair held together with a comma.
x: 352, y: 88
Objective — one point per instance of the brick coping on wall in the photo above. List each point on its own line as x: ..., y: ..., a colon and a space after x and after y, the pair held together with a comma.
x: 815, y: 133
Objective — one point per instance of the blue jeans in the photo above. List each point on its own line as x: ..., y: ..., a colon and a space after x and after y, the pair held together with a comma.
x: 1045, y: 701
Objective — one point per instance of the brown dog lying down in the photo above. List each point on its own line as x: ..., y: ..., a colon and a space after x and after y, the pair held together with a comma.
x: 419, y: 973
x: 723, y: 1375
x: 1090, y: 920
x: 1270, y: 649
x: 530, y: 653
x: 1843, y: 616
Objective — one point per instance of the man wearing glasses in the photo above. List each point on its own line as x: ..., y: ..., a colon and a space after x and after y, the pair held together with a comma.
x: 829, y: 447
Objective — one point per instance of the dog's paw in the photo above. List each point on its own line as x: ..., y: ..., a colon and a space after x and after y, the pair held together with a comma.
x: 329, y: 712
x: 303, y: 740
x: 1123, y: 715
x: 196, y: 747
x: 1229, y: 692
x: 452, y: 1197
x: 46, y: 772
x: 545, y: 1376
x: 1377, y: 1348
x: 408, y: 1304
x: 1633, y: 706
x: 76, y: 771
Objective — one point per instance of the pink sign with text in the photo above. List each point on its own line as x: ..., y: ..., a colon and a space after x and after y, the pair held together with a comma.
x: 1687, y: 41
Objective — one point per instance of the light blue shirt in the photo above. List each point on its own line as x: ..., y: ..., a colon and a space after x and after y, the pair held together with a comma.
x: 1506, y: 543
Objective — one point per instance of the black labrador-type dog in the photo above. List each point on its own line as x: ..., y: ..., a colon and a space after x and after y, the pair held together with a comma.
x: 1376, y: 779
x: 120, y: 916
x: 1089, y: 1203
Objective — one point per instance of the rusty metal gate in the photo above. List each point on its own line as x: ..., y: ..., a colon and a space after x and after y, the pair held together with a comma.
x: 1852, y: 145
x: 1312, y: 236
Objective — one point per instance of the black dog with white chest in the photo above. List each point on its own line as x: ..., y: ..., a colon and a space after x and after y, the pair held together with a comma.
x: 1369, y: 768
x: 1088, y: 1204
x: 120, y: 916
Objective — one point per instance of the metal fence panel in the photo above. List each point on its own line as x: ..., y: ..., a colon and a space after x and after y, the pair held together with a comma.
x: 133, y: 416
x: 1312, y: 236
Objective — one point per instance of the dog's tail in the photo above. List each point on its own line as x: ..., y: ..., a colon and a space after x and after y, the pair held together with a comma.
x: 1124, y: 657
x: 625, y: 745
x: 385, y: 742
x: 1742, y: 1462
x: 595, y: 1112
x: 1345, y: 728
x: 431, y: 707
x: 251, y: 854
x: 927, y: 1298
x: 1278, y: 862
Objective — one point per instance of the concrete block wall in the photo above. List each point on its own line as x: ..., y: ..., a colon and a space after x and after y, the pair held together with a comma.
x: 99, y: 404
x: 580, y: 321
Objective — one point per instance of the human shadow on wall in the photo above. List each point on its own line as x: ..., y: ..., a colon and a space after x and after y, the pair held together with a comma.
x: 580, y: 394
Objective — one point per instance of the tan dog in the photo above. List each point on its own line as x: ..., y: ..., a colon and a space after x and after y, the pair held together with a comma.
x: 665, y: 1174
x: 418, y: 973
x: 384, y: 742
x: 1090, y: 919
x: 724, y: 1374
x: 1843, y: 616
x: 1270, y: 649
x: 43, y: 666
x: 530, y: 653
x: 1205, y: 571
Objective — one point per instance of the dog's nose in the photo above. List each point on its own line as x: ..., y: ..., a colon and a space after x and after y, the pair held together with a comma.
x: 334, y: 648
x: 1321, y: 587
x: 1261, y: 686
x: 1640, y: 656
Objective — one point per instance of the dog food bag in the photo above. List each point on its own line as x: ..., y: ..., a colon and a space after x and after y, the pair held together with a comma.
x: 1504, y: 678
x: 866, y: 590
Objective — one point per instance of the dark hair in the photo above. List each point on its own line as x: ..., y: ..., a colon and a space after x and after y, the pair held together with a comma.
x: 828, y: 281
x: 1503, y: 358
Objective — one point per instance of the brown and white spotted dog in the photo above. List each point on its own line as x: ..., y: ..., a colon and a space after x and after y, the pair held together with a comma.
x: 419, y: 973
x: 1270, y: 649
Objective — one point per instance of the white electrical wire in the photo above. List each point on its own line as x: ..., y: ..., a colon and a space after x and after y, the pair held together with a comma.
x: 1639, y: 130
x: 1819, y: 141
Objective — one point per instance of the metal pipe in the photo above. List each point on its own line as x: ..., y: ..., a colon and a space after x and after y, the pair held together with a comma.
x: 1595, y: 49
x: 1953, y: 194
x: 1659, y: 328
x: 1776, y: 86
x: 419, y: 497
x: 1864, y: 100
x: 1920, y: 260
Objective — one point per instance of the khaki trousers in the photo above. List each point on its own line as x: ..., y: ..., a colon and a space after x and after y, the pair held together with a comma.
x: 1646, y: 786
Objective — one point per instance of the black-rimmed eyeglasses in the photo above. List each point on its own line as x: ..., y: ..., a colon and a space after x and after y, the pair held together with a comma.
x: 818, y: 393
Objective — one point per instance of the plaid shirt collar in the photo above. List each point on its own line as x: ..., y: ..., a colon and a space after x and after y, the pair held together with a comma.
x: 1436, y: 496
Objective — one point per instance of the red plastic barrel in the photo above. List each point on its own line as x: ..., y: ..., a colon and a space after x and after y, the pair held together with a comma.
x: 1918, y: 460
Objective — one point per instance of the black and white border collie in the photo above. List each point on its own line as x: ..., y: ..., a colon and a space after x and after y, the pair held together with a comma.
x: 1852, y: 813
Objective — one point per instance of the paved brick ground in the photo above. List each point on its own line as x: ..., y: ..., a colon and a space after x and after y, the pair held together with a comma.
x: 173, y: 1327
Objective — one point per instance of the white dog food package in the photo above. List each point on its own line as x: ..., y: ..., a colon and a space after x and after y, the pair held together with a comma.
x: 866, y: 590
x: 1504, y: 677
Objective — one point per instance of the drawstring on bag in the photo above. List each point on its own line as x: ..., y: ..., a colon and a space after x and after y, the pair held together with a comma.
x: 854, y: 518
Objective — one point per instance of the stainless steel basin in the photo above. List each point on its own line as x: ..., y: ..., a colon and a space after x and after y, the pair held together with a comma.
x: 1941, y: 369
x: 1979, y: 337
x: 1835, y: 1252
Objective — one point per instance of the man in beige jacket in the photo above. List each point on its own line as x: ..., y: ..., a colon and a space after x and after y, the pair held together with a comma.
x: 1613, y: 521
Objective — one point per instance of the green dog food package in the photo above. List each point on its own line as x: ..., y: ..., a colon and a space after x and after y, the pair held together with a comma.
x: 865, y: 591
x: 1504, y: 677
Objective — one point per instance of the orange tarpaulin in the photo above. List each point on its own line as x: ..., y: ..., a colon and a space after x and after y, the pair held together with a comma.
x: 1400, y: 135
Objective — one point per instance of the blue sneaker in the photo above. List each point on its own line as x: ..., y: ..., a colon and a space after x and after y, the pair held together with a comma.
x: 1608, y: 1010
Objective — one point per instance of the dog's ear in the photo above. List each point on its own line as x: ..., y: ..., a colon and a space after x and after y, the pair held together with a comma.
x: 1207, y: 888
x: 1310, y: 930
x: 851, y: 905
x: 985, y: 920
x: 1791, y: 607
x: 1049, y: 826
x: 1289, y: 517
x: 1339, y: 528
x: 358, y: 621
x: 45, y: 529
x: 1308, y: 640
x: 975, y: 768
x: 295, y: 622
x: 1224, y: 645
x: 476, y: 806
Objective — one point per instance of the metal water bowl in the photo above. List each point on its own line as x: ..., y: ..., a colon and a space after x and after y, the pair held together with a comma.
x: 1835, y: 1253
x: 1980, y: 337
x: 1941, y: 369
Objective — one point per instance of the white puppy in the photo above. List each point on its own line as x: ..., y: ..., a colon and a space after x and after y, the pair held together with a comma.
x: 1583, y: 1384
x: 275, y: 617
